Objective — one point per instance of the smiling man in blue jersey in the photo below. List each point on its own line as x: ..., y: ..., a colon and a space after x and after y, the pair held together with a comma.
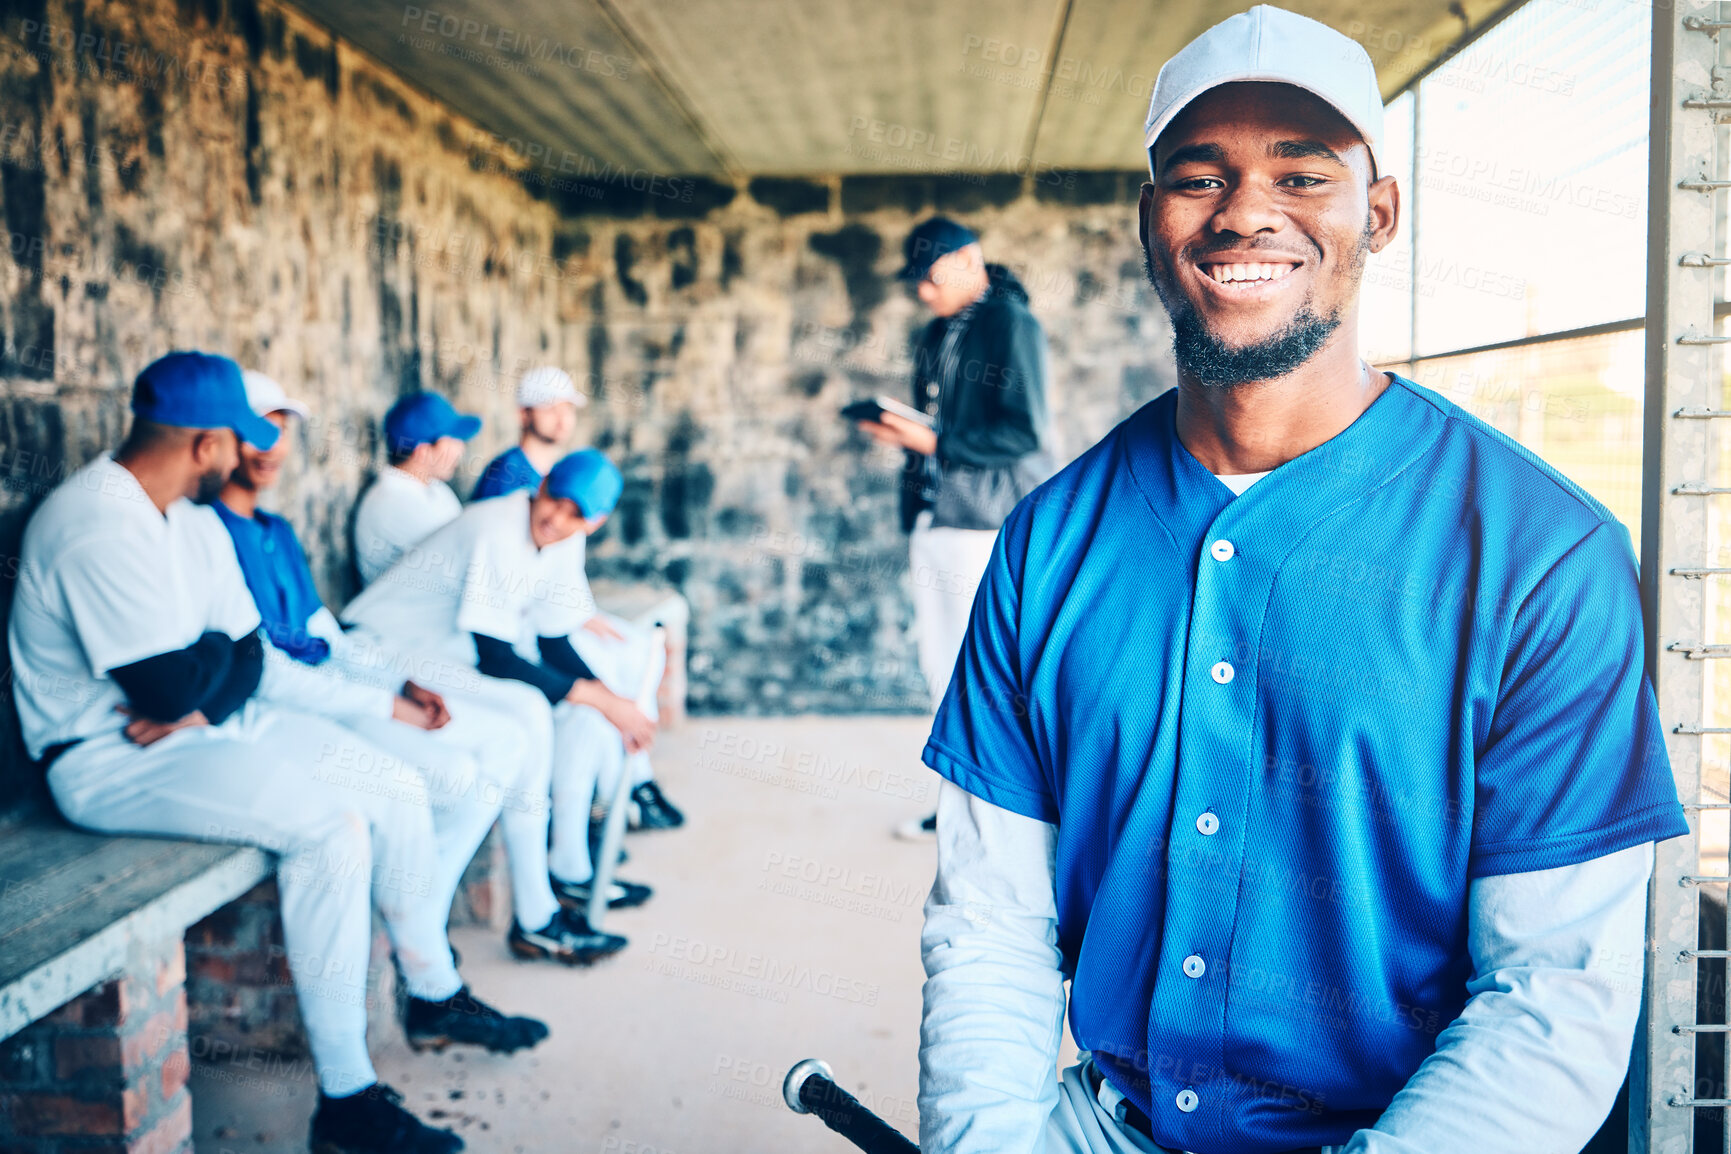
x: 1302, y: 722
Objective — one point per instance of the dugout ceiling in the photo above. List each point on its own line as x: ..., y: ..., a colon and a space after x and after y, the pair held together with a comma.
x: 804, y: 87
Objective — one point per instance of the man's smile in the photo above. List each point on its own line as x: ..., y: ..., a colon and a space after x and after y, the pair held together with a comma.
x: 1234, y: 275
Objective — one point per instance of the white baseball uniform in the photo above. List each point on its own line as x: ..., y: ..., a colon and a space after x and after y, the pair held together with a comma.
x: 395, y: 512
x: 486, y: 728
x: 622, y: 666
x: 482, y: 573
x: 107, y: 580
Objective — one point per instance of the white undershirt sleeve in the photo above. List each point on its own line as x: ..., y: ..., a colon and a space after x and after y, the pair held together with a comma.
x: 994, y: 995
x: 1535, y: 1059
x: 321, y: 690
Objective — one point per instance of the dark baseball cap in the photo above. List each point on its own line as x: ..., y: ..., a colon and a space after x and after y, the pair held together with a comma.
x: 930, y: 240
x: 422, y: 418
x: 199, y: 391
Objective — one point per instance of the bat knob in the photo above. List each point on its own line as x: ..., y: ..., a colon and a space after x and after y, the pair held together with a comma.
x: 796, y: 1078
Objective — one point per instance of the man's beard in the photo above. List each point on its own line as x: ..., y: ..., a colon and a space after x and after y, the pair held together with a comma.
x: 209, y: 487
x: 1210, y: 361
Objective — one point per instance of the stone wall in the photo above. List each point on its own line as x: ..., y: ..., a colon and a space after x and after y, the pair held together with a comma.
x: 721, y: 350
x: 223, y: 174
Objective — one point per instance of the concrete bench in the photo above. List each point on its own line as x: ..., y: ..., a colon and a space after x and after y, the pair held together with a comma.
x: 93, y: 1010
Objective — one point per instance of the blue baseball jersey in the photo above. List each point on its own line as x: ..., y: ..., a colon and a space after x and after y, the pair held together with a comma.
x: 506, y: 473
x: 276, y: 571
x: 1280, y: 734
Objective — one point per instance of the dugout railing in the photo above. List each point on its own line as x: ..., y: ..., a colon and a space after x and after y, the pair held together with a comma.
x: 1678, y: 1077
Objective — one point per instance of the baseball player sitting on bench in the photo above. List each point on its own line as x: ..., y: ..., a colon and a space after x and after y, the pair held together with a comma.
x: 482, y: 722
x: 143, y: 684
x: 1302, y: 723
x: 411, y: 497
x: 496, y: 580
x: 619, y: 653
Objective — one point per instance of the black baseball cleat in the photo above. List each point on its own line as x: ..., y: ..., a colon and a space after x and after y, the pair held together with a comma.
x: 374, y: 1122
x: 597, y: 825
x: 651, y: 809
x: 464, y: 1020
x: 567, y: 938
x: 623, y: 895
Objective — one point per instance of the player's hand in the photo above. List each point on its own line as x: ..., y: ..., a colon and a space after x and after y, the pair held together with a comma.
x: 411, y: 712
x: 901, y: 432
x: 433, y: 703
x: 143, y: 731
x: 882, y: 434
x: 599, y: 626
x: 634, y: 726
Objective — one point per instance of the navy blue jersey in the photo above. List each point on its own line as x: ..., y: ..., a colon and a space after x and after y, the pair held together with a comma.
x: 280, y: 579
x: 506, y: 473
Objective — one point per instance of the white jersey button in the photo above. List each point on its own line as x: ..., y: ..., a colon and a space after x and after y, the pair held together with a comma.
x: 1207, y: 825
x: 1194, y: 966
x: 1221, y: 550
x: 1222, y: 672
x: 1187, y: 1100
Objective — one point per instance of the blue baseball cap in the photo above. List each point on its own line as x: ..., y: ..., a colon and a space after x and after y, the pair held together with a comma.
x: 199, y: 391
x: 588, y: 478
x: 930, y: 240
x: 422, y: 418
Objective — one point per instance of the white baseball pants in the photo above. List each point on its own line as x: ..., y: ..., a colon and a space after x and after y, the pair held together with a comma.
x: 946, y: 566
x: 352, y: 825
x: 623, y: 667
x: 507, y: 727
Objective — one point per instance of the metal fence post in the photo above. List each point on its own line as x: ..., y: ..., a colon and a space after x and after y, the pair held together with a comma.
x: 1677, y: 501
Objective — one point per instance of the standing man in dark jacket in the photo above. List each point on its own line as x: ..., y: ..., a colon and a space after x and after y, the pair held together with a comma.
x: 980, y: 376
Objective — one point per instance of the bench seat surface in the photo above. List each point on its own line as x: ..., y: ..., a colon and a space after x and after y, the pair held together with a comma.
x: 75, y: 906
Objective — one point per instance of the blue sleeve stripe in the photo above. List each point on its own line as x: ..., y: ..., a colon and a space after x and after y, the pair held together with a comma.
x: 1654, y: 823
x: 975, y: 781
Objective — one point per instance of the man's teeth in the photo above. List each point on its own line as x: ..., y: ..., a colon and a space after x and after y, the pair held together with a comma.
x: 1230, y: 272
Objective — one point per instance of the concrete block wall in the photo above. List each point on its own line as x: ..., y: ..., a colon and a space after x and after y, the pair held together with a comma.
x: 225, y: 174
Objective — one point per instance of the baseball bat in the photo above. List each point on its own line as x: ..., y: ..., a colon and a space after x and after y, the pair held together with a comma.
x: 810, y: 1089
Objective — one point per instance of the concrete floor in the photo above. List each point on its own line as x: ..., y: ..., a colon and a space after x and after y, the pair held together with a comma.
x: 785, y: 925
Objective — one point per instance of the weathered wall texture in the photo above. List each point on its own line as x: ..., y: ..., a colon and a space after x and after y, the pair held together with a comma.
x: 221, y: 174
x: 722, y: 349
x: 184, y: 176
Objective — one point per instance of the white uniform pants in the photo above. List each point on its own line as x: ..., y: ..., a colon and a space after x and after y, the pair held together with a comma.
x: 1082, y: 1124
x: 946, y: 566
x: 353, y: 827
x: 508, y: 727
x: 587, y: 750
x: 480, y: 766
x: 624, y: 667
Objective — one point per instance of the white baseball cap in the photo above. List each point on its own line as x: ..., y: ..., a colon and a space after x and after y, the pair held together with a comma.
x: 547, y: 386
x: 267, y: 397
x: 1272, y: 44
